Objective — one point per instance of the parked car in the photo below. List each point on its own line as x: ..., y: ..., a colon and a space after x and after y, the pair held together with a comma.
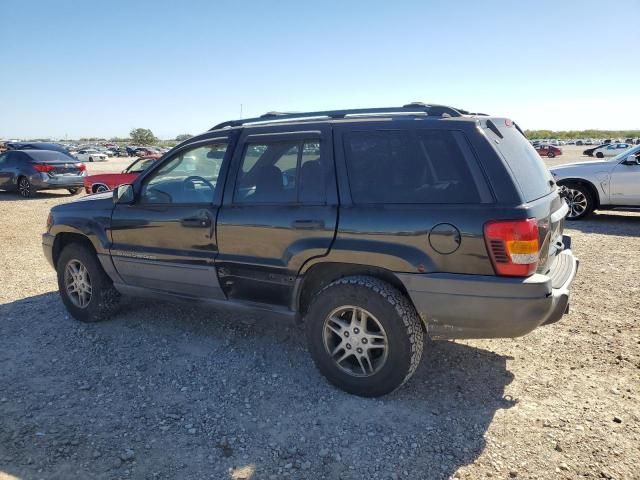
x: 601, y: 185
x: 610, y: 149
x: 579, y: 142
x: 144, y: 152
x: 90, y: 155
x: 371, y: 230
x: 548, y: 151
x: 590, y: 151
x: 27, y: 171
x: 108, y: 181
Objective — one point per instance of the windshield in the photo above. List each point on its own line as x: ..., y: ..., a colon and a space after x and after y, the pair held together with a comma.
x: 626, y: 153
x: 140, y: 165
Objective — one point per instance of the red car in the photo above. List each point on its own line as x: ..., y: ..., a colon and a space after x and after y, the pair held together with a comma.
x: 548, y: 151
x: 108, y: 181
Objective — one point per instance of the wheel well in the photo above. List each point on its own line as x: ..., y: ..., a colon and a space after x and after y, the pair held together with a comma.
x: 321, y: 275
x: 64, y: 239
x: 585, y: 183
x: 96, y: 185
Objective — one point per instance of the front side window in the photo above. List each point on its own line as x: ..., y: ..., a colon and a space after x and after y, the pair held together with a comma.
x: 191, y: 176
x: 280, y: 172
x: 393, y: 166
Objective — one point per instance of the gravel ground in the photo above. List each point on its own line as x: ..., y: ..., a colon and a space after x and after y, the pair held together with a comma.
x: 164, y: 391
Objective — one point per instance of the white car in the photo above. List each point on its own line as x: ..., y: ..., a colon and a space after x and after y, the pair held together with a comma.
x: 89, y: 155
x: 601, y: 184
x: 611, y: 149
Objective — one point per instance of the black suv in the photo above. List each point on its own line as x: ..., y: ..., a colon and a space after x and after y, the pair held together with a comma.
x: 374, y: 227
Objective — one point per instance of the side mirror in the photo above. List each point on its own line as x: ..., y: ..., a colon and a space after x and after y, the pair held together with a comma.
x: 123, y: 194
x: 631, y: 160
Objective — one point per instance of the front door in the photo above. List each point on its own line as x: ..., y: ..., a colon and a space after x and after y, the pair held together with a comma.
x: 280, y: 210
x: 625, y: 184
x: 166, y: 239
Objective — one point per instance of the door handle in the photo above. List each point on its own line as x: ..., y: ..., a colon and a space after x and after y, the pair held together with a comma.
x: 199, y: 222
x: 308, y: 224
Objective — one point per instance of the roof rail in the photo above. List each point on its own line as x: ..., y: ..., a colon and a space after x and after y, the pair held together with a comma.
x: 416, y: 108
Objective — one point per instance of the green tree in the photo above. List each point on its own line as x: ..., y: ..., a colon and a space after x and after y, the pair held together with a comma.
x: 142, y: 136
x: 183, y: 137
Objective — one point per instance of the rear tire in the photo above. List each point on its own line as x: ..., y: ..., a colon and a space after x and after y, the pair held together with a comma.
x: 25, y: 188
x: 91, y: 159
x: 580, y: 200
x: 364, y: 336
x: 73, y: 191
x: 551, y: 155
x: 86, y: 290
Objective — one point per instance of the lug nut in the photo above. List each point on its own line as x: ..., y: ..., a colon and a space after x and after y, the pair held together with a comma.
x: 365, y: 341
x: 348, y: 346
x: 356, y: 330
x: 359, y: 350
x: 346, y: 334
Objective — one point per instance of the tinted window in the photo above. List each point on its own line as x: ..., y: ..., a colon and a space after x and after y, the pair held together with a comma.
x: 48, y: 156
x: 189, y: 177
x: 280, y: 172
x: 527, y: 168
x: 423, y: 166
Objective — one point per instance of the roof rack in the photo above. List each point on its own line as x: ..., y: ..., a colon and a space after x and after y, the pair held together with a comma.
x: 415, y: 108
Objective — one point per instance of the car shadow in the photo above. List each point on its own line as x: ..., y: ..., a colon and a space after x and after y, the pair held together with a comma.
x: 8, y: 196
x: 609, y: 223
x: 205, y: 393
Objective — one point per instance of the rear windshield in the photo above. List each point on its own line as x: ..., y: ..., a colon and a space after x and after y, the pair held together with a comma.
x: 48, y: 156
x: 533, y: 177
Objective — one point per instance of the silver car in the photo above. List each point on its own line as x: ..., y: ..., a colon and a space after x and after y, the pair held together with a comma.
x: 27, y: 171
x: 601, y: 185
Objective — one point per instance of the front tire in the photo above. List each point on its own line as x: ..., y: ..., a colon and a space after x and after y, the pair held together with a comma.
x: 86, y: 290
x: 91, y: 159
x: 364, y: 336
x: 73, y: 191
x: 600, y: 155
x: 551, y: 155
x: 100, y: 189
x: 581, y: 202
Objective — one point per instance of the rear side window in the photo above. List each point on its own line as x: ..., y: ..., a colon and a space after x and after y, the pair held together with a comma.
x: 528, y: 169
x: 407, y: 166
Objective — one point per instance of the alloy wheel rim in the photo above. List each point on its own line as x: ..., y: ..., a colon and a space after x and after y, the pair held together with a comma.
x: 577, y: 202
x: 355, y: 340
x: 24, y: 187
x: 77, y: 283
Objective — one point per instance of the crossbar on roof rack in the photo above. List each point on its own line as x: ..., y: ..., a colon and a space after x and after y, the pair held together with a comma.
x: 410, y: 108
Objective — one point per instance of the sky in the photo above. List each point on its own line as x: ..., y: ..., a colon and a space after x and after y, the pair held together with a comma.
x: 96, y: 68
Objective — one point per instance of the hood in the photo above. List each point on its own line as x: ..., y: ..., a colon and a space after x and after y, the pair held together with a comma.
x: 97, y: 201
x: 583, y: 166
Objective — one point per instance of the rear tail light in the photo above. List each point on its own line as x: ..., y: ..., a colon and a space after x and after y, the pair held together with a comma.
x: 43, y: 168
x: 81, y: 166
x: 513, y: 246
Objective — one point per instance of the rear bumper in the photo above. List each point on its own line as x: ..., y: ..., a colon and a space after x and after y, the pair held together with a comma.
x: 42, y: 181
x: 478, y: 306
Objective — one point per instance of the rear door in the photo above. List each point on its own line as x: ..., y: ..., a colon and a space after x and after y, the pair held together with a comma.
x: 166, y: 239
x: 280, y: 210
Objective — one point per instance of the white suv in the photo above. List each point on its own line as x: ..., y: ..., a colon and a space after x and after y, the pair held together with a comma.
x: 601, y: 184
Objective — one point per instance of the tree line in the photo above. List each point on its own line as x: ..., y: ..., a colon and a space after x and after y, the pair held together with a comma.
x: 562, y: 134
